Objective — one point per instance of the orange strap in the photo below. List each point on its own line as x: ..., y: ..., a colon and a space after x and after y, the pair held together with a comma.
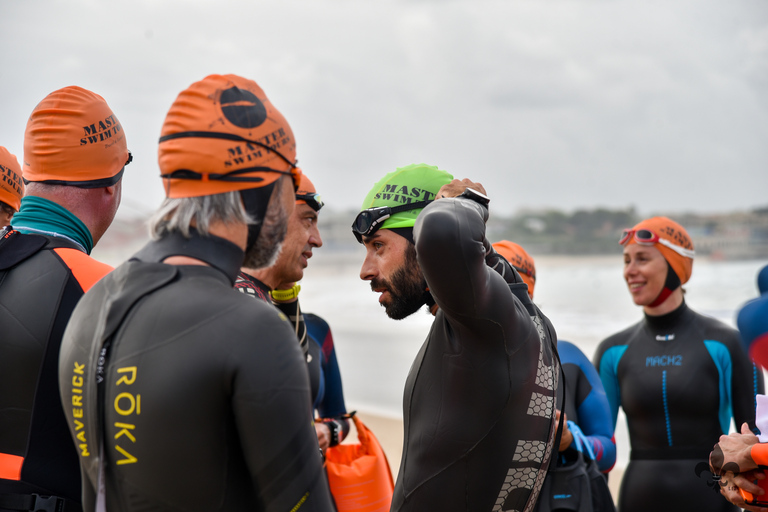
x: 86, y: 270
x: 10, y: 466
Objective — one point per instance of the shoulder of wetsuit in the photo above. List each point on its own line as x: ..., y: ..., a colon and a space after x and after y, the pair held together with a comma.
x: 16, y: 247
x: 714, y: 328
x: 127, y: 286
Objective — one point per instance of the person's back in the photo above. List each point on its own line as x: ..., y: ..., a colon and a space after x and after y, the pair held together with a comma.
x: 181, y: 392
x: 182, y: 383
x: 72, y: 195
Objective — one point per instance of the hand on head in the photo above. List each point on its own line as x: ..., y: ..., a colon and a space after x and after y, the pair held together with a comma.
x: 456, y: 187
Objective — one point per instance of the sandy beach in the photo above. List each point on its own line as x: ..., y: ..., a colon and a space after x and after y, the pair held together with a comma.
x: 389, y: 432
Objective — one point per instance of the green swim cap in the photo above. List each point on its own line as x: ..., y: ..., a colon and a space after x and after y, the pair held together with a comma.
x: 409, y: 184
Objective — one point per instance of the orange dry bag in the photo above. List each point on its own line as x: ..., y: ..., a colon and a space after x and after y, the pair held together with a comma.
x: 359, y: 474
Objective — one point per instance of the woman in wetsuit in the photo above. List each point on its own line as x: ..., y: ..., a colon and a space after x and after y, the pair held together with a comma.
x: 679, y: 376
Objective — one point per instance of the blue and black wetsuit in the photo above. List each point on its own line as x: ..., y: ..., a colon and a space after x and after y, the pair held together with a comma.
x: 587, y: 406
x: 679, y: 377
x: 329, y: 400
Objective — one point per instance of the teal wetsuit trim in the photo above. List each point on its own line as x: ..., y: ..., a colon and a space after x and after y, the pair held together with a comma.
x: 39, y: 216
x: 721, y: 356
x: 609, y: 370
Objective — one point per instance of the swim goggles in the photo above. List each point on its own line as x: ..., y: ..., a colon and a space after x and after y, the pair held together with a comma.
x: 312, y: 199
x: 369, y: 221
x: 294, y: 172
x: 648, y: 237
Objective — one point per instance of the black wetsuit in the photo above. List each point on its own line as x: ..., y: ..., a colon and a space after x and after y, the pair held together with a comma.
x: 317, y: 344
x: 680, y: 378
x: 479, y: 399
x: 205, y: 398
x: 41, y: 280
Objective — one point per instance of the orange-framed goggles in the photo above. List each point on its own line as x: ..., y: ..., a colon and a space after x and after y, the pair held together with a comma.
x: 236, y: 175
x: 648, y: 237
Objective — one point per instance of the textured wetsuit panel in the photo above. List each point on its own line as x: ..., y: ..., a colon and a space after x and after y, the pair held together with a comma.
x: 249, y: 285
x: 586, y: 403
x: 479, y: 398
x: 38, y: 291
x: 206, y: 401
x: 677, y: 377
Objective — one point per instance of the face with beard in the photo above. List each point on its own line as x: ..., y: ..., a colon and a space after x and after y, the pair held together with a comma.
x: 264, y: 252
x: 391, y: 267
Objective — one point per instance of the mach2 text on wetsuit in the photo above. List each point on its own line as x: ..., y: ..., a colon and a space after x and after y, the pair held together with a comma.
x: 204, y: 393
x: 479, y: 399
x: 679, y: 377
x: 41, y: 280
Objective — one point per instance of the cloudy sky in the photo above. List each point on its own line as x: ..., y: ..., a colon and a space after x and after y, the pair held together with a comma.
x: 559, y: 103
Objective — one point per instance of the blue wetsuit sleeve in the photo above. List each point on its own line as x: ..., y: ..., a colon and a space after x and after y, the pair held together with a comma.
x: 594, y: 411
x: 746, y: 382
x: 606, y: 363
x: 332, y: 404
x: 333, y: 401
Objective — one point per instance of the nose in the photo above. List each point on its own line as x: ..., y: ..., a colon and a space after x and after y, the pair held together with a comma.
x: 630, y: 269
x: 368, y: 270
x: 314, y: 237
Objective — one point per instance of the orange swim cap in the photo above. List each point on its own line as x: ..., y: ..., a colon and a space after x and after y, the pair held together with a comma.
x: 672, y: 233
x: 222, y: 134
x: 521, y: 260
x: 74, y: 138
x: 11, y: 184
x: 305, y: 187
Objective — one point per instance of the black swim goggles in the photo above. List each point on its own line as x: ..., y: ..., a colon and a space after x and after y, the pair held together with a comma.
x: 369, y: 221
x: 312, y: 199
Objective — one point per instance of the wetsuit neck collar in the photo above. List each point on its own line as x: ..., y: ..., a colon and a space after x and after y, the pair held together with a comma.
x: 40, y: 216
x: 255, y: 282
x: 217, y: 252
x: 665, y: 324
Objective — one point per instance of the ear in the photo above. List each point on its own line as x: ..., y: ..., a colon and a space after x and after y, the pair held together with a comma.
x: 112, y: 190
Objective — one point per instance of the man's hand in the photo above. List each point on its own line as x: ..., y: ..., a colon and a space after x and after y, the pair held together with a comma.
x: 733, y: 452
x: 730, y: 484
x: 323, y: 435
x: 456, y: 187
x: 566, y: 438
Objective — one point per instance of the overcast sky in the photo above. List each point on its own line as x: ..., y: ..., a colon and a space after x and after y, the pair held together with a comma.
x: 559, y: 103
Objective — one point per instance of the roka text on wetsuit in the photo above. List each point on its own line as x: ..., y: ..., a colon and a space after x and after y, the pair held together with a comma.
x: 679, y: 378
x: 41, y: 280
x: 205, y: 402
x: 479, y: 399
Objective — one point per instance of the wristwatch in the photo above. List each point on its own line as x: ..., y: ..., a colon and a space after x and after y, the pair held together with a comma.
x: 334, y: 427
x: 474, y: 195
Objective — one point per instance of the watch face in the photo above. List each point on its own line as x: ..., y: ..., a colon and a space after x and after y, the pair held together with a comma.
x: 476, y: 196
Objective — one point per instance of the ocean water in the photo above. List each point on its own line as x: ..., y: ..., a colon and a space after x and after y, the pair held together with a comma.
x: 584, y: 297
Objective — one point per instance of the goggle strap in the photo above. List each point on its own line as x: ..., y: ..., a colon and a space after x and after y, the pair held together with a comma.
x: 225, y: 136
x: 682, y: 251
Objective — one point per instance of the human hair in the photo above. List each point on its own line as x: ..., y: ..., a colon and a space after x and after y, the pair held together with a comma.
x: 6, y: 208
x: 179, y: 214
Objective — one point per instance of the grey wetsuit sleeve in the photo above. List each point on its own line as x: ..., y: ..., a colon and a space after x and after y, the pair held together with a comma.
x: 451, y: 248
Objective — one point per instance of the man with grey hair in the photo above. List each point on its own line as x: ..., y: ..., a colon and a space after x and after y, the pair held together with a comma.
x: 173, y: 382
